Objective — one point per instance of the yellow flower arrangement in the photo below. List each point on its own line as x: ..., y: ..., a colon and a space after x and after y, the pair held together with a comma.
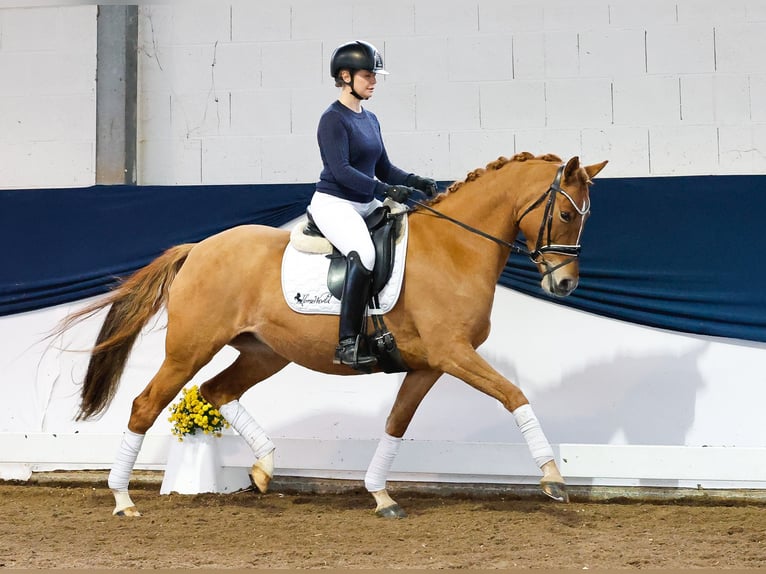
x: 192, y: 413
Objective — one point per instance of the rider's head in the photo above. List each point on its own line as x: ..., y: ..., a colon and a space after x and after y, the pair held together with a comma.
x: 355, y: 56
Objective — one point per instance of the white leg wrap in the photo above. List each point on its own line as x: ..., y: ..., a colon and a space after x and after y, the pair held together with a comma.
x: 530, y: 429
x: 381, y: 463
x: 245, y: 425
x: 119, y: 476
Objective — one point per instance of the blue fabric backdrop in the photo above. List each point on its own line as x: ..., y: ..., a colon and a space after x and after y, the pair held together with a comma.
x: 61, y: 245
x: 679, y: 253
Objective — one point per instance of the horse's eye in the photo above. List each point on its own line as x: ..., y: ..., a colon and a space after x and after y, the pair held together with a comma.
x: 566, y: 216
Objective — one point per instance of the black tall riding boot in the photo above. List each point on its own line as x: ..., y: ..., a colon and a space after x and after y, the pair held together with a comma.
x: 353, y: 301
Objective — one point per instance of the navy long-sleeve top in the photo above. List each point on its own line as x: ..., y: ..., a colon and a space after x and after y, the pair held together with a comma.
x: 353, y: 155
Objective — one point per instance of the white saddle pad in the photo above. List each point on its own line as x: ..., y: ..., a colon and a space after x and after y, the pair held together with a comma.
x: 304, y: 280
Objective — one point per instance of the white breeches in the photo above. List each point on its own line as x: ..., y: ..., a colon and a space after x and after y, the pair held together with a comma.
x: 341, y: 221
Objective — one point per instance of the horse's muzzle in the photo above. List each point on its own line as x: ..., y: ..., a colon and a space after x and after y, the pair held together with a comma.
x: 559, y: 287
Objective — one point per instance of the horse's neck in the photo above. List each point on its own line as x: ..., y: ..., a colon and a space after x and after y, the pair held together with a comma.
x: 486, y: 205
x: 486, y: 209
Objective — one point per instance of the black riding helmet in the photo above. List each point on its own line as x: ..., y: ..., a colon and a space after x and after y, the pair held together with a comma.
x: 354, y: 56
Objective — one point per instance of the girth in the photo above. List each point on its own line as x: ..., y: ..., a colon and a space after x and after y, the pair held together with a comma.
x: 384, y: 228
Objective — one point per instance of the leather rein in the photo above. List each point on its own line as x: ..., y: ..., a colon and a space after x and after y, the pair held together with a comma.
x: 546, y: 224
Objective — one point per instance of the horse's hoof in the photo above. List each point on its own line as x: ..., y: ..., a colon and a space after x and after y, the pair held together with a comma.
x: 262, y: 471
x: 393, y: 511
x: 556, y: 490
x: 260, y: 478
x: 129, y: 511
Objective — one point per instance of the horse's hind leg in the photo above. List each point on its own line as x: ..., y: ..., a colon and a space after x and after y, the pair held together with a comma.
x: 255, y: 363
x: 147, y: 406
x: 190, y: 344
x: 414, y: 388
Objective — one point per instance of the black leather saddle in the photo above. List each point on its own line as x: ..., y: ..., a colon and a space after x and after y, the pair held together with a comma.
x: 384, y: 228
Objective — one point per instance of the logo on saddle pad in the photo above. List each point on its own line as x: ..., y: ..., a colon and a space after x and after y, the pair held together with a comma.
x: 305, y: 266
x: 304, y: 299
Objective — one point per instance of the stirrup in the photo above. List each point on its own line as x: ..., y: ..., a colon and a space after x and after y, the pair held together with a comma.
x: 347, y: 353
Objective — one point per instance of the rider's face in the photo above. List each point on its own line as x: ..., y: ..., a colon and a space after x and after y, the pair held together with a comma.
x: 364, y: 83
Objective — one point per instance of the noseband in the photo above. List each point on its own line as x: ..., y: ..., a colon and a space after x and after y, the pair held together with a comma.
x: 543, y: 244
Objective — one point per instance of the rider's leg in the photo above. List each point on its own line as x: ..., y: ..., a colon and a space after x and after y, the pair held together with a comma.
x: 356, y: 293
x: 342, y: 223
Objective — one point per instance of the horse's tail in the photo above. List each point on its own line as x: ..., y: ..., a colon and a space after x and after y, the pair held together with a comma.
x: 133, y: 303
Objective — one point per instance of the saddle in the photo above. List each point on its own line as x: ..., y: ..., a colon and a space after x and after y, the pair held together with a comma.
x: 384, y: 228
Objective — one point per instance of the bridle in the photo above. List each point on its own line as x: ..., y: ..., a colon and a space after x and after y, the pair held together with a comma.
x: 546, y: 224
x: 543, y: 244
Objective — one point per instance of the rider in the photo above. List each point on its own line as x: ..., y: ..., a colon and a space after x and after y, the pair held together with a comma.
x: 356, y: 168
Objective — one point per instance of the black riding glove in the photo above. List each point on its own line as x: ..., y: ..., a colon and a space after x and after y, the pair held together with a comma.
x: 400, y: 193
x: 424, y: 184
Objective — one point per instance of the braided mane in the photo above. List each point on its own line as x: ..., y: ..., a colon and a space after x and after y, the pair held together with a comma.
x: 494, y: 166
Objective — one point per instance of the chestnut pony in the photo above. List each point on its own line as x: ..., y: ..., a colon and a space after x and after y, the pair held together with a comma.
x: 226, y: 290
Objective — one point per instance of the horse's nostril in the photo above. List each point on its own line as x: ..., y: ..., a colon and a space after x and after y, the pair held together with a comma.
x: 566, y: 286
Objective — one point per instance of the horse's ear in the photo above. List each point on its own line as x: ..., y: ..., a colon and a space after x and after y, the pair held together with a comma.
x: 592, y: 170
x: 572, y: 166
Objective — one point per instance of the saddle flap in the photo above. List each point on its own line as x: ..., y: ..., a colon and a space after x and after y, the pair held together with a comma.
x: 384, y: 236
x: 336, y: 273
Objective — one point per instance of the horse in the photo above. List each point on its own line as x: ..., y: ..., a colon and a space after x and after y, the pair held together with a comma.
x: 225, y: 290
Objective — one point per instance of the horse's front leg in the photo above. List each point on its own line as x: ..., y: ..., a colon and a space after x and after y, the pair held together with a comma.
x: 414, y: 387
x: 552, y: 483
x: 466, y: 364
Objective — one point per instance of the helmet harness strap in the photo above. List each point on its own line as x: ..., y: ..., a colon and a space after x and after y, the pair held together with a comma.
x: 350, y: 84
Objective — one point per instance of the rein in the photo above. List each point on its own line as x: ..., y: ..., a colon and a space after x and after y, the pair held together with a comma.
x: 512, y: 246
x: 536, y: 256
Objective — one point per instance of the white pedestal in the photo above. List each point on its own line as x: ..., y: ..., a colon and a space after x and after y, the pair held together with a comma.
x: 194, y: 466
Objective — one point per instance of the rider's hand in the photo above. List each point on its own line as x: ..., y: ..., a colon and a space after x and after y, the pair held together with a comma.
x: 399, y: 193
x: 424, y: 184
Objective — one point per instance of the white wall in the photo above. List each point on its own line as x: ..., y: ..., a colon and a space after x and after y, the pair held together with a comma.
x: 230, y: 92
x: 622, y: 405
x: 658, y: 88
x: 47, y: 97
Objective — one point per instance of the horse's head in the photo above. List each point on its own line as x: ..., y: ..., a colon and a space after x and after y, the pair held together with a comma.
x: 553, y: 222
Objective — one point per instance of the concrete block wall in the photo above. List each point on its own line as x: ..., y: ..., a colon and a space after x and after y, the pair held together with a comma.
x: 231, y: 91
x: 47, y: 96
